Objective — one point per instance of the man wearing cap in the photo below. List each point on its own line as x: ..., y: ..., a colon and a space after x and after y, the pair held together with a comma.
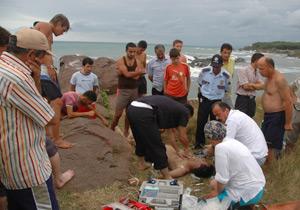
x: 25, y: 169
x: 213, y: 82
x: 238, y: 177
x: 156, y: 70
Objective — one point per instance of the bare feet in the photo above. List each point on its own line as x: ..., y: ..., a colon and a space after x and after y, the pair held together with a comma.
x: 60, y: 143
x: 64, y: 178
x: 143, y: 166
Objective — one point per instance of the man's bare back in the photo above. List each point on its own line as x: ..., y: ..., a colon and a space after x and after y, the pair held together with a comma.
x: 45, y: 28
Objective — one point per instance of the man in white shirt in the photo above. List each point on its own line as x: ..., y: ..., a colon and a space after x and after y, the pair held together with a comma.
x: 238, y: 175
x: 84, y: 80
x: 242, y: 128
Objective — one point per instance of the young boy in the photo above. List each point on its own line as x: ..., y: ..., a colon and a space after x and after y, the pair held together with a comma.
x: 177, y: 78
x: 58, y: 25
x: 84, y: 79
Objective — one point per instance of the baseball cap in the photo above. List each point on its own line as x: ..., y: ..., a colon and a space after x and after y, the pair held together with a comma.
x: 215, y: 130
x: 29, y: 38
x: 216, y: 60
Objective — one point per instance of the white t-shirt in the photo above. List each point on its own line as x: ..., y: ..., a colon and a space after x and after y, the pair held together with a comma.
x: 237, y: 169
x: 83, y: 82
x: 244, y: 129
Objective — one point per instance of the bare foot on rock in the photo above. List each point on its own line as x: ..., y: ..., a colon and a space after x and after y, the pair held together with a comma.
x: 60, y: 143
x: 64, y: 178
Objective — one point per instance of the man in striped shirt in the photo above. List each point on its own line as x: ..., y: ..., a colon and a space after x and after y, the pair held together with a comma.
x: 25, y: 169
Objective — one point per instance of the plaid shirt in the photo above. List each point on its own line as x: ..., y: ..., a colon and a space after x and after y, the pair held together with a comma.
x: 24, y: 114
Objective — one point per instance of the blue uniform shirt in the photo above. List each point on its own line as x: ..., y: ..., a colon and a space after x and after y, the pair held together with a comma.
x: 156, y: 68
x: 213, y: 86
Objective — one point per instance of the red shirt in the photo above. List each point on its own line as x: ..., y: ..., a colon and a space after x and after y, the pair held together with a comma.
x: 176, y: 77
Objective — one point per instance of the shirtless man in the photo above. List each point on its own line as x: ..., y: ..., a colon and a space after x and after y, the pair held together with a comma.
x: 178, y: 44
x: 180, y: 165
x: 129, y: 71
x: 58, y: 25
x: 142, y: 57
x: 277, y: 105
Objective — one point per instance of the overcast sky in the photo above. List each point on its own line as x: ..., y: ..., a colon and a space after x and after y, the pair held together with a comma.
x: 196, y: 22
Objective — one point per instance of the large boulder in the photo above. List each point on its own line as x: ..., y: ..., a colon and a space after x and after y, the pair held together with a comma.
x: 99, y: 156
x: 104, y: 68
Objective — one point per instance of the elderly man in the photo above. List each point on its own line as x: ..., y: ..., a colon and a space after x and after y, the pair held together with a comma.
x: 156, y: 70
x: 242, y: 128
x: 277, y: 105
x: 25, y: 166
x: 238, y: 175
x: 213, y: 82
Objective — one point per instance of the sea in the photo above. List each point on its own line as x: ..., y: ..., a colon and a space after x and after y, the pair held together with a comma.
x: 290, y: 66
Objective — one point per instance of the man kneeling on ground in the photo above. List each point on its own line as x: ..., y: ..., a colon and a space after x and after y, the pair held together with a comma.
x: 77, y: 105
x: 238, y: 175
x: 146, y: 116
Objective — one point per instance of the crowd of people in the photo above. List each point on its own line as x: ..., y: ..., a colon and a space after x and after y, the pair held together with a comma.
x: 31, y: 107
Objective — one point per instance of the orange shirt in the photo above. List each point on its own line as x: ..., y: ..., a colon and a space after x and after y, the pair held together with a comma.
x: 176, y: 78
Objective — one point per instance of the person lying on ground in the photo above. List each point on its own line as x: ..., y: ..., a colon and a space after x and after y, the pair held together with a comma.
x: 180, y: 165
x: 81, y: 105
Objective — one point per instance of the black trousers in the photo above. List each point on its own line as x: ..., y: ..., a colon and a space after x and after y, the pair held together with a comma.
x: 204, y: 110
x: 246, y: 104
x: 156, y: 92
x: 146, y: 134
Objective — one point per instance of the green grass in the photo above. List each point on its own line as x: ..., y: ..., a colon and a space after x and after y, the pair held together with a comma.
x: 282, y: 185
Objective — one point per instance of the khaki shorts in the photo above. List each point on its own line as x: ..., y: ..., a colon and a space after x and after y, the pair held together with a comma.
x: 125, y: 97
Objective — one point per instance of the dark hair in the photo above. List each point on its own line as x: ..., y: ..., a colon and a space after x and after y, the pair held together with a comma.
x: 270, y: 61
x: 142, y: 44
x: 130, y: 44
x: 204, y: 171
x: 60, y: 18
x: 35, y: 22
x: 91, y: 95
x: 226, y: 46
x: 87, y: 60
x: 222, y: 105
x: 256, y: 56
x: 177, y: 41
x: 4, y: 37
x: 190, y: 108
x: 174, y: 53
x: 159, y: 46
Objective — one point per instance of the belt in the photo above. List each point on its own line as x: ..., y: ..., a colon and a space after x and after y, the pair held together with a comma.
x: 250, y: 97
x: 140, y: 105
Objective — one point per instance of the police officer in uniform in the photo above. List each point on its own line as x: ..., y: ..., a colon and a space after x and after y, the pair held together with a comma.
x: 213, y: 82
